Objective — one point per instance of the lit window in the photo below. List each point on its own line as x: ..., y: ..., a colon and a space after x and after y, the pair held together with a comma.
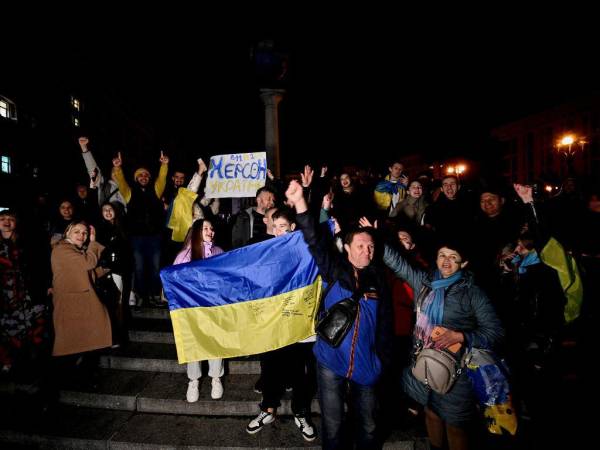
x: 75, y: 103
x: 75, y: 121
x: 6, y: 164
x: 8, y: 109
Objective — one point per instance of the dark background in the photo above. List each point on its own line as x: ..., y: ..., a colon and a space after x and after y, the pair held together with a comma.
x: 353, y: 95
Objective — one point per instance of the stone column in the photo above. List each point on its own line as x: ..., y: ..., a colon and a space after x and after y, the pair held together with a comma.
x: 271, y: 99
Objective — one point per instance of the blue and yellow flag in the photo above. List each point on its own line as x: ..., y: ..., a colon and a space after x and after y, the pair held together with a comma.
x: 246, y: 301
x: 554, y: 255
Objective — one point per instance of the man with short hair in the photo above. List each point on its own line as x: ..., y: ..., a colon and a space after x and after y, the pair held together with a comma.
x: 354, y: 367
x: 249, y: 223
x: 450, y: 216
x: 146, y: 218
x: 392, y: 189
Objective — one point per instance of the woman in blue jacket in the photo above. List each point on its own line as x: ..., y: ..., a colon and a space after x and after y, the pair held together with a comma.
x: 447, y: 299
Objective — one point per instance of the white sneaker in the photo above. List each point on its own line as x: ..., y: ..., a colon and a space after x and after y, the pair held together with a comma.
x: 217, y: 389
x: 306, y: 428
x: 192, y: 392
x: 256, y: 424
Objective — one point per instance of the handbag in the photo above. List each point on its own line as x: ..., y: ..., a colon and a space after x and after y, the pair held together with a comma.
x: 337, y: 321
x: 437, y: 369
x: 107, y: 291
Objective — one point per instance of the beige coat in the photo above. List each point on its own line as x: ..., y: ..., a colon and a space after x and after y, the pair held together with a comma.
x: 81, y: 321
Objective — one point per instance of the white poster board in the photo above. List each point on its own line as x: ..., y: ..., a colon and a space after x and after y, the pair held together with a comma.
x: 236, y: 175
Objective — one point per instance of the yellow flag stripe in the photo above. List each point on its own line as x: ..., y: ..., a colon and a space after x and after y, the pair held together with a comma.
x: 245, y: 328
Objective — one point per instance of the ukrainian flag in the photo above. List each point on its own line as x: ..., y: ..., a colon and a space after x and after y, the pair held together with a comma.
x: 246, y: 301
x: 554, y: 255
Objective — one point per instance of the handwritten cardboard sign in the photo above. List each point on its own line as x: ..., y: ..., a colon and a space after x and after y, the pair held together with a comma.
x: 236, y: 175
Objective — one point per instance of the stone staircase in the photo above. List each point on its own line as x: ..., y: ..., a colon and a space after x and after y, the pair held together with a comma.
x: 140, y: 403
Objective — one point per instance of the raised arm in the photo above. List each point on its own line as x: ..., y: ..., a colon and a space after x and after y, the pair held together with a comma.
x: 402, y: 269
x: 328, y: 261
x: 161, y: 179
x: 119, y: 177
x: 194, y: 183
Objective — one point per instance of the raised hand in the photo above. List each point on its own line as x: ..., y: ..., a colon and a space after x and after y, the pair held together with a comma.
x: 307, y: 176
x: 83, y: 143
x: 270, y: 175
x: 323, y: 171
x: 118, y: 161
x: 524, y: 192
x: 364, y: 223
x: 164, y: 159
x: 201, y: 166
x: 92, y: 234
x: 294, y: 192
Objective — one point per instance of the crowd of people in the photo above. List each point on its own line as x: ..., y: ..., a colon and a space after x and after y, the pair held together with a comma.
x: 418, y: 253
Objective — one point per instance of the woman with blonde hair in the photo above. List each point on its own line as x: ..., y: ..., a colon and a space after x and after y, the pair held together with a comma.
x: 81, y: 321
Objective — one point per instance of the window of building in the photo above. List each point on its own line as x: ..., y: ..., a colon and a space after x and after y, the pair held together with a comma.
x: 76, y: 104
x: 8, y: 110
x: 75, y: 121
x: 5, y: 161
x: 4, y: 108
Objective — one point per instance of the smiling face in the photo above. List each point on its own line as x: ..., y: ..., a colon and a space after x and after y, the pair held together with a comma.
x: 491, y: 204
x: 208, y: 232
x: 415, y: 189
x: 264, y: 201
x: 345, y: 181
x: 449, y: 262
x: 78, y: 234
x: 143, y: 177
x: 178, y: 179
x: 108, y: 213
x: 282, y: 226
x: 66, y: 210
x: 450, y: 187
x: 8, y: 224
x: 361, y: 250
x: 406, y: 240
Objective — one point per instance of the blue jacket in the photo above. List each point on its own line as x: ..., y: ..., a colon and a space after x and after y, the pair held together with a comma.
x: 366, y: 348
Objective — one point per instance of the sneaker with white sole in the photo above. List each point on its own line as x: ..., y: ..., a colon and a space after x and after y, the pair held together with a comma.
x: 217, y: 389
x: 256, y: 424
x: 306, y: 428
x: 192, y: 391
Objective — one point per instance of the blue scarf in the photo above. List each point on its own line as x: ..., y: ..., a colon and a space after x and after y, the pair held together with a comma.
x: 433, y: 306
x: 390, y: 187
x: 522, y: 263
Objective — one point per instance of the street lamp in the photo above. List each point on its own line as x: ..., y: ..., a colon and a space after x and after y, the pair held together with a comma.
x: 456, y: 170
x: 568, y: 146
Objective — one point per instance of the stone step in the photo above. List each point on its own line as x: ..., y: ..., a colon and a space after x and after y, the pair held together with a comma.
x: 85, y: 428
x: 164, y: 393
x: 151, y: 325
x: 151, y: 337
x: 154, y: 357
x: 150, y: 313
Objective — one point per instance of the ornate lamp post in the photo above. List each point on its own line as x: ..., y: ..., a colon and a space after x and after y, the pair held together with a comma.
x: 568, y: 146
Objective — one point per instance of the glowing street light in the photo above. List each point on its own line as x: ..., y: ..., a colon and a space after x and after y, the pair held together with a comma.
x: 568, y: 145
x: 457, y: 169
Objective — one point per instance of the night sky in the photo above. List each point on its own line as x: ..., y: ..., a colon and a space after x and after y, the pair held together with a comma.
x: 351, y: 93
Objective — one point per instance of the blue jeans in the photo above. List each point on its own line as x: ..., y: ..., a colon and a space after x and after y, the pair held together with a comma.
x: 146, y: 255
x: 362, y: 402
